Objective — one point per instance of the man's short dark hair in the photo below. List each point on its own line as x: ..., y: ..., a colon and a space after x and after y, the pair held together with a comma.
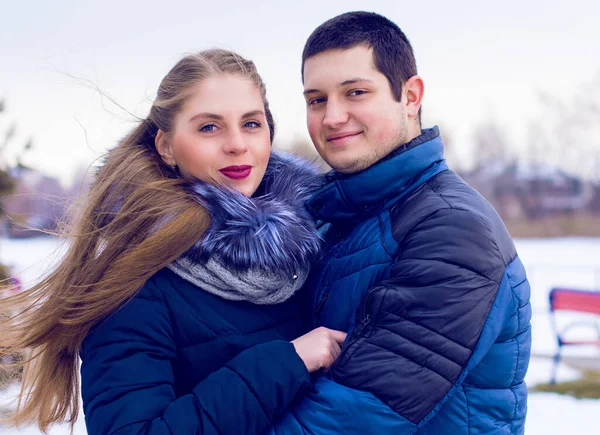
x: 392, y: 53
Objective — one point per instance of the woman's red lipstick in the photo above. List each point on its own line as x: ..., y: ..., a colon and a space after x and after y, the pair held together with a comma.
x: 236, y: 172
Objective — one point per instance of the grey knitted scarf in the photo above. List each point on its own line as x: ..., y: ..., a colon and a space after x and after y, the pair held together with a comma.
x: 257, y: 249
x: 252, y: 285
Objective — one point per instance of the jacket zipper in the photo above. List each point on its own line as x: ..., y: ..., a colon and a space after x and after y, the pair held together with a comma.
x: 361, y: 326
x: 357, y: 334
x: 325, y: 295
x: 320, y: 306
x: 365, y: 304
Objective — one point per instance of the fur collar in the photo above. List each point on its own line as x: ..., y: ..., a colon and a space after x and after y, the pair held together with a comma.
x: 272, y: 230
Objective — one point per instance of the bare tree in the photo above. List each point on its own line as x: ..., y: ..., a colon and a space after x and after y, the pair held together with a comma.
x: 490, y: 144
x: 6, y: 182
x: 568, y: 131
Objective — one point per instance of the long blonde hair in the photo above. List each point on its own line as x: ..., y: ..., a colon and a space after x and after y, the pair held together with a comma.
x: 138, y: 217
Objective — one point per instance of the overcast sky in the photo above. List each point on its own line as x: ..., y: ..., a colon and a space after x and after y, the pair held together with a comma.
x: 479, y: 59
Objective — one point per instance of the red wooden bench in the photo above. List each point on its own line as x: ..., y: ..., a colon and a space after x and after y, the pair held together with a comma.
x: 581, y: 301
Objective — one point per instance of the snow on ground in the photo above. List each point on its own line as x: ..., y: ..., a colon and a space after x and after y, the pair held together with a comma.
x: 568, y: 262
x: 7, y: 398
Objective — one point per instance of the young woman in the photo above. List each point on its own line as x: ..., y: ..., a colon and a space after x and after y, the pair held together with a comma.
x: 179, y: 288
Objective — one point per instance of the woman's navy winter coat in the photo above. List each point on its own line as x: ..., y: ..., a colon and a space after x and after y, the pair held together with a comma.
x: 180, y: 360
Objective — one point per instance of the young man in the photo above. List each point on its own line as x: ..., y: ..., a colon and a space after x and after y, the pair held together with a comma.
x: 418, y: 267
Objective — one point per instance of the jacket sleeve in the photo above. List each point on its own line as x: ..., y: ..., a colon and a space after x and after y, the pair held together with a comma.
x: 418, y: 332
x: 128, y: 380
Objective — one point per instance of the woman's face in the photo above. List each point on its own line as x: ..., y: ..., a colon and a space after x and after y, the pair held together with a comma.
x: 221, y: 135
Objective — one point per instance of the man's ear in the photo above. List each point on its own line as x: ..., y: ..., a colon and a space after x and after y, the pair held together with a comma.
x: 164, y: 148
x: 414, y: 89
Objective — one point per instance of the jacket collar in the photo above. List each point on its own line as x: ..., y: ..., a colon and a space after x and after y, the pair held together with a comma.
x: 366, y: 193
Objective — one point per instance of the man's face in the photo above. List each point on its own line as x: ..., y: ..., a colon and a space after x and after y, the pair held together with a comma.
x: 352, y: 117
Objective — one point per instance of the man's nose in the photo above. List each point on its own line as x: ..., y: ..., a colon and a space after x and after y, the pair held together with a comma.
x: 335, y: 114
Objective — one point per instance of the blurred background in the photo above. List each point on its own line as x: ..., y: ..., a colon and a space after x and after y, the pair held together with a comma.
x: 514, y: 87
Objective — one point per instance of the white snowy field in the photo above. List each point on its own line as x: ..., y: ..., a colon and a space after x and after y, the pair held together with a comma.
x: 568, y: 262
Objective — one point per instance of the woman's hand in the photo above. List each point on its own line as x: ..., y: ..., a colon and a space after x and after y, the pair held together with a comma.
x: 319, y: 348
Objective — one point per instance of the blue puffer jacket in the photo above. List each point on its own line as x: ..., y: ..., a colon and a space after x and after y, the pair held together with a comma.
x: 179, y: 360
x: 423, y: 274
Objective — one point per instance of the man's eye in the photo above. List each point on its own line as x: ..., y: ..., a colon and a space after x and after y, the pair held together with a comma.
x: 357, y: 92
x: 316, y: 101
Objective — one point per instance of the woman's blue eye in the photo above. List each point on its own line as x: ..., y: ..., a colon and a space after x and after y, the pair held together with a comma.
x: 252, y: 124
x: 208, y: 128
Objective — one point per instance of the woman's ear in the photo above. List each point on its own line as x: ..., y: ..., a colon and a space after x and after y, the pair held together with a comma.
x: 164, y: 148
